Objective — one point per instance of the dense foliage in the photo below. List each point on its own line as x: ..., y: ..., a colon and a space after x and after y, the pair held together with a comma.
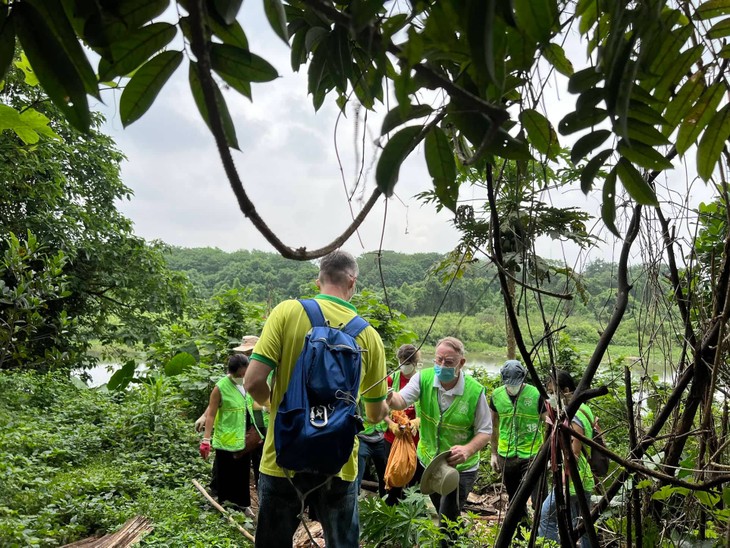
x: 65, y: 279
x: 77, y: 462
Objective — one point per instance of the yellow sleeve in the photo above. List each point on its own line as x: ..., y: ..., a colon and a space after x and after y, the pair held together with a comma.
x: 268, y: 347
x: 374, y: 372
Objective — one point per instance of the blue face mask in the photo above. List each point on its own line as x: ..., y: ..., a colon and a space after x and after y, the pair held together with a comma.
x: 444, y: 374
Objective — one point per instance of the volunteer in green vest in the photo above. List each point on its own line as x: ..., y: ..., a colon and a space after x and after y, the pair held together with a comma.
x: 454, y: 417
x: 561, y: 387
x: 226, y: 418
x: 518, y: 413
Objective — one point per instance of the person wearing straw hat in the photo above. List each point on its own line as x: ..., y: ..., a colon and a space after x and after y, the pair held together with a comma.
x: 334, y: 499
x: 517, y: 415
x: 455, y: 425
x: 245, y: 348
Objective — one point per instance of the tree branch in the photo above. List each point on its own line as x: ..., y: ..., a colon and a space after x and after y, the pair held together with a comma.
x: 200, y: 49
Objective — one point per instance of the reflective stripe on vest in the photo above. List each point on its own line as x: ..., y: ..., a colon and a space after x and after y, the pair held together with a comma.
x: 455, y: 426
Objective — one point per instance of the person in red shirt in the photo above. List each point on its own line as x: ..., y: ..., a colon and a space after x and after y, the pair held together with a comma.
x: 409, y: 358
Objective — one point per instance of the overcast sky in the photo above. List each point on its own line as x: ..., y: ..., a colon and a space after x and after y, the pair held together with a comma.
x: 289, y: 167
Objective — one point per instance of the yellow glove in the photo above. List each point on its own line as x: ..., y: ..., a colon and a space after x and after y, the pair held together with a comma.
x: 415, y: 426
x: 394, y: 428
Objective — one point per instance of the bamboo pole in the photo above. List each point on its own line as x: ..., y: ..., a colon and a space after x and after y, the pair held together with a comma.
x: 223, y: 511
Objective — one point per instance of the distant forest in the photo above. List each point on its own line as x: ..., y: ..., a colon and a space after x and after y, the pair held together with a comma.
x: 416, y: 284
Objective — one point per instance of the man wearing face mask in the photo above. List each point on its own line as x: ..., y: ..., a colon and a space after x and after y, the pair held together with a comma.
x: 454, y: 417
x: 408, y: 358
x: 518, y: 410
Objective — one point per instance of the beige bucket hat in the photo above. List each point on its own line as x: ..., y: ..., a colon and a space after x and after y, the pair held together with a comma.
x: 247, y: 343
x: 439, y: 476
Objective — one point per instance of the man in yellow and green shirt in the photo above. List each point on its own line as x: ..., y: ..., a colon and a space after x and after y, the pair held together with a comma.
x: 281, y: 342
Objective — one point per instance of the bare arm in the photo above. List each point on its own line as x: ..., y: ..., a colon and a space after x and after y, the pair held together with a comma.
x: 255, y: 382
x: 376, y: 411
x: 575, y: 445
x: 396, y: 401
x: 213, y: 405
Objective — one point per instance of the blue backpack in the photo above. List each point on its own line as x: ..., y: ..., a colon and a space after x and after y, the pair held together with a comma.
x: 317, y: 420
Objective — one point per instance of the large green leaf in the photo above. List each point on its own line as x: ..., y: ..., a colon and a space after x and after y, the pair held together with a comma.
x: 179, y: 363
x: 480, y: 16
x: 240, y: 64
x: 317, y: 77
x: 55, y: 18
x: 644, y: 156
x: 232, y: 34
x: 575, y: 121
x: 125, y: 17
x: 339, y: 58
x: 227, y: 9
x: 442, y: 167
x: 54, y: 70
x: 588, y: 143
x: 721, y: 29
x: 401, y: 114
x: 536, y: 18
x: 703, y: 111
x: 635, y: 184
x: 645, y: 133
x: 712, y: 8
x: 135, y: 49
x: 394, y: 153
x: 584, y: 80
x: 645, y: 113
x: 276, y: 15
x: 555, y: 55
x: 608, y: 206
x: 713, y: 142
x: 142, y: 89
x: 122, y: 377
x: 677, y: 71
x: 7, y: 40
x: 540, y: 132
x: 197, y: 88
x: 591, y: 169
x: 683, y: 101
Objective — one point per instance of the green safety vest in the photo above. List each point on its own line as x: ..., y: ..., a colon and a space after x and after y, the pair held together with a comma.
x: 229, y: 431
x: 586, y: 418
x: 455, y: 426
x: 519, y: 422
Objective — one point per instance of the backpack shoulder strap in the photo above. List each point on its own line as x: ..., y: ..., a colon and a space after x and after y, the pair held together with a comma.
x: 314, y: 312
x: 355, y: 326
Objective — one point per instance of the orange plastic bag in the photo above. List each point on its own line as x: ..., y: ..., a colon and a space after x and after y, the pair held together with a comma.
x: 401, y: 465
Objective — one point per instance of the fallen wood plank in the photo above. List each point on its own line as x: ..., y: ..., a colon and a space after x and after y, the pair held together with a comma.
x: 129, y: 534
x: 223, y: 511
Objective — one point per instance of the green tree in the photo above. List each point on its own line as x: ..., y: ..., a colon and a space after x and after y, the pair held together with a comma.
x: 62, y: 190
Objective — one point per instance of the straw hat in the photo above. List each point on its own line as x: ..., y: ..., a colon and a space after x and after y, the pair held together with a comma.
x: 247, y: 343
x: 439, y: 476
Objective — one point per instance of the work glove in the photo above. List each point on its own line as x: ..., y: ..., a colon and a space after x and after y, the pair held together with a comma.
x: 394, y: 428
x: 200, y: 423
x: 205, y: 449
x: 415, y: 426
x: 495, y: 464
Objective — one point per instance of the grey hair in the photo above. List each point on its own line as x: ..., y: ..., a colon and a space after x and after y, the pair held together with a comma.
x: 337, y: 267
x: 454, y: 343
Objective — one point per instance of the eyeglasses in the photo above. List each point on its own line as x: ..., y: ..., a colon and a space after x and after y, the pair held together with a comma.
x: 439, y: 360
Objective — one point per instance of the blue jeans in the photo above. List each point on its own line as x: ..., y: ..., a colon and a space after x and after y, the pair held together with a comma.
x: 334, y: 503
x: 375, y: 451
x: 549, y: 518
